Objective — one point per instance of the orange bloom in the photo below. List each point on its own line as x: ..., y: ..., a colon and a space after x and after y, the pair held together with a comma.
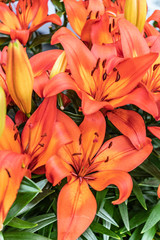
x: 40, y: 138
x: 30, y: 15
x: 19, y: 76
x: 95, y: 85
x: 147, y: 94
x: 12, y: 171
x: 2, y: 110
x: 85, y: 162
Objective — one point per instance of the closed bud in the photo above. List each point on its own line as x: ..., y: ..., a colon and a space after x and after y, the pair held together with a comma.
x: 19, y: 76
x: 135, y: 12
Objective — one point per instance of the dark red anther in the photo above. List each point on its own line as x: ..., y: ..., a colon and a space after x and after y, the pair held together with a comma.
x: 117, y: 77
x: 110, y: 144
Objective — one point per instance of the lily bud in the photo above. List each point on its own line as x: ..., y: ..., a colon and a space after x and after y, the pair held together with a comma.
x: 60, y: 65
x: 135, y: 12
x: 19, y: 76
x: 2, y: 110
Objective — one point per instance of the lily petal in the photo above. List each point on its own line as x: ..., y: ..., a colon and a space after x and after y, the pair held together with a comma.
x: 76, y: 210
x: 119, y: 154
x: 56, y: 170
x: 93, y: 131
x: 131, y: 124
x: 119, y: 178
x: 155, y: 131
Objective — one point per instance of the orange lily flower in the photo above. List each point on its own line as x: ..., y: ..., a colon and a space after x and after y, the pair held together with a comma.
x: 30, y: 15
x: 12, y: 171
x: 147, y: 94
x: 2, y: 110
x: 95, y: 86
x: 85, y: 162
x: 19, y: 76
x: 40, y: 138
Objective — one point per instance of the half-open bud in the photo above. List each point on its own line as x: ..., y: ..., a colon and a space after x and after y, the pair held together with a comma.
x: 60, y: 65
x: 19, y: 76
x: 135, y: 12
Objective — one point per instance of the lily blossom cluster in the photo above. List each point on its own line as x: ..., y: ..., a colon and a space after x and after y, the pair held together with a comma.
x: 109, y: 66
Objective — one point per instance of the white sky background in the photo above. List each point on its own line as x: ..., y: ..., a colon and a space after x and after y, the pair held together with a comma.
x: 152, y: 5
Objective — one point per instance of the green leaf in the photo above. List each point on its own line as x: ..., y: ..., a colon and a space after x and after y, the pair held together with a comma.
x: 124, y: 214
x: 28, y: 185
x: 58, y: 5
x: 42, y: 221
x: 28, y: 192
x: 136, y: 235
x: 100, y: 195
x: 104, y: 215
x: 89, y: 235
x: 23, y: 236
x: 148, y: 235
x: 1, y: 236
x: 36, y: 200
x: 19, y: 223
x: 46, y: 38
x: 137, y: 220
x: 150, y: 168
x: 137, y: 191
x: 98, y: 228
x: 153, y: 218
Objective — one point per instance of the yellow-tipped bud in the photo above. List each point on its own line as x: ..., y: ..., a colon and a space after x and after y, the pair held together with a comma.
x: 60, y: 65
x: 2, y: 110
x: 135, y: 12
x: 19, y: 76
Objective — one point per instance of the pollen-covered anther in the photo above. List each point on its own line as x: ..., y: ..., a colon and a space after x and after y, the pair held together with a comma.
x: 104, y: 63
x: 107, y: 159
x: 113, y: 23
x: 80, y: 139
x: 16, y: 136
x: 110, y: 144
x: 117, y: 77
x: 89, y: 15
x: 110, y: 27
x: 97, y: 14
x: 9, y: 175
x: 104, y: 76
x: 96, y: 134
x: 76, y: 154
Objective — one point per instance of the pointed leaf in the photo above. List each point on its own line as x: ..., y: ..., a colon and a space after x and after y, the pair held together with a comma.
x: 124, y: 214
x: 19, y: 223
x: 25, y: 236
x: 98, y: 228
x: 137, y: 191
x: 153, y: 218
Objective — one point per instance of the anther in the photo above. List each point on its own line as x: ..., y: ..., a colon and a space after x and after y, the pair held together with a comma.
x: 16, y: 136
x: 117, y: 77
x: 107, y: 159
x: 89, y: 15
x: 113, y: 23
x: 9, y: 175
x: 97, y: 14
x: 93, y: 71
x: 114, y: 69
x: 76, y: 154
x: 155, y: 66
x: 44, y: 135
x: 110, y: 27
x: 26, y: 6
x: 41, y: 144
x: 104, y: 63
x: 104, y: 76
x: 110, y: 144
x: 97, y: 64
x: 96, y: 134
x: 80, y: 139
